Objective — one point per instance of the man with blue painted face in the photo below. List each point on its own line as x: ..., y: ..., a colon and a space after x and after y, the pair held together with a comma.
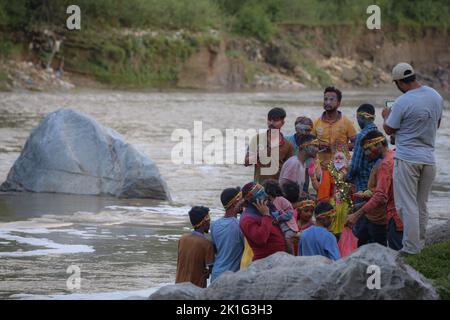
x: 360, y: 166
x: 257, y: 223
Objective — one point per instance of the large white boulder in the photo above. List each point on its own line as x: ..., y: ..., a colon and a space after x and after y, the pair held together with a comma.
x: 70, y: 152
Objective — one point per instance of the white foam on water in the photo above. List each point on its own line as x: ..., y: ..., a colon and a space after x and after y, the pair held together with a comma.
x: 166, y: 237
x: 9, y: 230
x: 53, y: 247
x: 114, y: 295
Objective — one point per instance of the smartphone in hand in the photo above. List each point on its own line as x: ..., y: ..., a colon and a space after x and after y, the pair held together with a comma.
x: 388, y: 104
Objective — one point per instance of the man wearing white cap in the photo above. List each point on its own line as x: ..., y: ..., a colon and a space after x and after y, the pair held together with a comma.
x: 414, y: 118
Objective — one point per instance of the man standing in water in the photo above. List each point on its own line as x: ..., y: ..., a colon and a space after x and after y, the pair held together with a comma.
x: 332, y: 129
x: 269, y: 150
x: 414, y: 118
x: 195, y: 252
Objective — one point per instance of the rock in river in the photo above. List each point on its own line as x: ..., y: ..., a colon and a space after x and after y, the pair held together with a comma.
x: 69, y: 152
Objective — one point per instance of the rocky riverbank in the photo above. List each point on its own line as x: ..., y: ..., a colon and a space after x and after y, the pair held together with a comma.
x: 22, y: 75
x: 301, y: 57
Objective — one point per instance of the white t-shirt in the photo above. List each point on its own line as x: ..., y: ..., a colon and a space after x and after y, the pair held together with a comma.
x: 416, y: 115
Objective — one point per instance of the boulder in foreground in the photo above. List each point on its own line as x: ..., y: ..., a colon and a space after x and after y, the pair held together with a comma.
x: 283, y: 276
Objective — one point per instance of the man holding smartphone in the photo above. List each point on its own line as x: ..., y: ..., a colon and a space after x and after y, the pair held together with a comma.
x: 414, y: 118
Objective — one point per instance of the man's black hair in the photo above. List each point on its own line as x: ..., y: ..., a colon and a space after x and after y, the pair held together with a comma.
x: 276, y: 113
x: 372, y: 135
x: 306, y: 138
x: 228, y: 194
x: 197, y: 213
x: 291, y: 191
x: 272, y: 188
x: 322, y: 206
x: 335, y: 90
x: 366, y: 107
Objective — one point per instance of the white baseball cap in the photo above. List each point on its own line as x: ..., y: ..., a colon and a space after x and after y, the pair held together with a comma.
x: 402, y: 71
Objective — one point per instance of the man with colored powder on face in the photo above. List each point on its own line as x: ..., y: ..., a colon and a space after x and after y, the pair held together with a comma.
x: 382, y: 223
x: 303, y: 126
x: 331, y: 129
x: 317, y: 240
x: 269, y: 150
x: 257, y: 222
x: 360, y: 167
x: 302, y: 166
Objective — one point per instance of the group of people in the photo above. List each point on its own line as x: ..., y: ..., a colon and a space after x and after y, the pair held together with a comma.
x: 330, y: 180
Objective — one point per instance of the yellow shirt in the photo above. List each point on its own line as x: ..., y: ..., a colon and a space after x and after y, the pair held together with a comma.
x: 334, y: 133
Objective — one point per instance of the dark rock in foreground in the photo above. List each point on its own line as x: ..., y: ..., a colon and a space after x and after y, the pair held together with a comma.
x: 69, y: 152
x: 285, y: 277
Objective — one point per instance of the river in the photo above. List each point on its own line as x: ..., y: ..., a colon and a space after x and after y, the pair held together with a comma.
x: 127, y: 248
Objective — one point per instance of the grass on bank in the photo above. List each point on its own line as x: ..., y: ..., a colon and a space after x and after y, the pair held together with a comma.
x: 434, y: 263
x: 256, y: 18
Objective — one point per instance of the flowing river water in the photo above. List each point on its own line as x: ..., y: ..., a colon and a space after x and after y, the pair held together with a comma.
x: 127, y: 247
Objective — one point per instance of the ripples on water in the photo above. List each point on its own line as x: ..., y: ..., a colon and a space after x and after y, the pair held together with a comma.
x: 125, y: 247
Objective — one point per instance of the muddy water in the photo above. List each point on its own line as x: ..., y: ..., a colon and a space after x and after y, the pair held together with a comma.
x: 126, y: 248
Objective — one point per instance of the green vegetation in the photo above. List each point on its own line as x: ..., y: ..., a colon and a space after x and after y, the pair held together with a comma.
x: 433, y: 263
x: 105, y: 51
x: 126, y: 61
x: 247, y: 17
x: 3, y: 81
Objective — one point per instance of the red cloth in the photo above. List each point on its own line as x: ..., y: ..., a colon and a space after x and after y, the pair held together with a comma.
x: 347, y: 242
x: 384, y: 192
x: 262, y: 235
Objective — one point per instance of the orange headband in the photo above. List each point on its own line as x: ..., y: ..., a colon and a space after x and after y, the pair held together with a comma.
x: 205, y: 218
x: 236, y: 198
x: 314, y: 142
x: 365, y: 114
x: 306, y: 203
x: 332, y: 212
x: 373, y: 142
